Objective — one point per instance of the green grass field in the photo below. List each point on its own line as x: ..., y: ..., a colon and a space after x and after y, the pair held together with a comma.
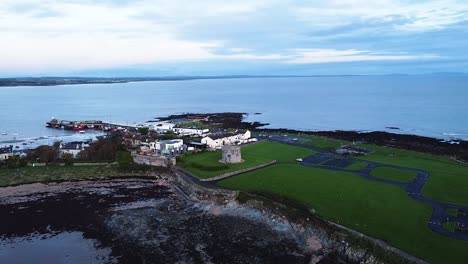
x: 197, y: 125
x: 394, y: 174
x: 358, y: 165
x: 377, y: 209
x: 452, y: 211
x: 448, y: 180
x: 450, y: 226
x: 207, y: 165
x: 57, y: 173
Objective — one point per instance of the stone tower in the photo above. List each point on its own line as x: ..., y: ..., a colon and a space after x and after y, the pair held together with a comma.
x: 231, y: 154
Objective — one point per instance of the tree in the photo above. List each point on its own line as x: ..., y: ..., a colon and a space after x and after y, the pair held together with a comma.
x: 105, y: 149
x: 15, y: 162
x: 43, y: 154
x: 124, y: 158
x: 143, y: 130
x: 68, y: 158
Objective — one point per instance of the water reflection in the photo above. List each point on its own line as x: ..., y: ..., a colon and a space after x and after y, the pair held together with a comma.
x: 67, y: 247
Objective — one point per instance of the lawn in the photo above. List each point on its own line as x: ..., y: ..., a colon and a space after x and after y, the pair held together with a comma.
x: 448, y: 181
x: 452, y: 211
x: 196, y: 125
x: 394, y: 174
x: 377, y: 209
x: 358, y: 165
x: 450, y: 226
x: 57, y: 173
x: 207, y: 165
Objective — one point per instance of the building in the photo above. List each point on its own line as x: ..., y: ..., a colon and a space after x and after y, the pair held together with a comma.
x: 162, y: 127
x: 346, y: 149
x: 191, y: 131
x: 72, y: 148
x: 197, y: 145
x: 6, y: 152
x: 216, y: 141
x: 171, y: 144
x: 172, y: 147
x: 231, y: 154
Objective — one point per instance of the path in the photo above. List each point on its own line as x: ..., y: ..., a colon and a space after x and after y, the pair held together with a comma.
x: 413, y: 189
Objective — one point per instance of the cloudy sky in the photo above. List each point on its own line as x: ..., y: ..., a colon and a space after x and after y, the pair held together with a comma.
x: 215, y: 37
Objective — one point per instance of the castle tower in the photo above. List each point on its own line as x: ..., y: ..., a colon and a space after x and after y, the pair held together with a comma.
x: 231, y: 154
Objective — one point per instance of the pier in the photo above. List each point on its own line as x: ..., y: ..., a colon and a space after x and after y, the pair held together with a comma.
x: 80, y: 125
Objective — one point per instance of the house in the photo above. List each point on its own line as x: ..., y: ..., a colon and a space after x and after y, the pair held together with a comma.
x: 133, y: 142
x: 216, y: 141
x: 171, y: 144
x: 72, y: 148
x: 6, y: 152
x: 196, y: 146
x: 165, y: 147
x: 346, y: 149
x: 162, y: 127
x: 181, y: 131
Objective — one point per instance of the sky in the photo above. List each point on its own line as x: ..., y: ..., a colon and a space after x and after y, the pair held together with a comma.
x: 116, y: 38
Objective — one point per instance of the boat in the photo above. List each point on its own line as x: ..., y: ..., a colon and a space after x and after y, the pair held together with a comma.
x: 81, y: 132
x: 78, y: 127
x: 4, y: 134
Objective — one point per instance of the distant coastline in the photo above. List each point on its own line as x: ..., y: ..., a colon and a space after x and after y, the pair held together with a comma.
x: 52, y: 81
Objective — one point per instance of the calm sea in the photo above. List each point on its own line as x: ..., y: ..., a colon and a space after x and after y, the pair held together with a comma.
x: 423, y: 105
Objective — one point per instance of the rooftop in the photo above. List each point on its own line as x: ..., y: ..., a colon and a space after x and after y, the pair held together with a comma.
x: 6, y: 150
x: 226, y: 134
x: 72, y: 145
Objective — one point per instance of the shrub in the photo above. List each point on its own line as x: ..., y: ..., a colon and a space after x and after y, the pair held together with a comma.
x: 124, y: 158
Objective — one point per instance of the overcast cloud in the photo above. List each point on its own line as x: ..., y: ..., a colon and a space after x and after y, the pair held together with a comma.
x: 211, y: 37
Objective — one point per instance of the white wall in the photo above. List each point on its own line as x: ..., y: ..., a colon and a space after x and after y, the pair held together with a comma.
x: 5, y: 156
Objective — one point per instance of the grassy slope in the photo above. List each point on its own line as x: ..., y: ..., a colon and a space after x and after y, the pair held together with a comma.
x: 55, y: 173
x: 394, y: 174
x: 253, y: 155
x: 380, y: 210
x: 448, y: 180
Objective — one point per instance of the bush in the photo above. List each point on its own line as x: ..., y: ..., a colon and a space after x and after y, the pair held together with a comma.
x: 143, y: 130
x: 69, y: 162
x: 124, y: 158
x: 14, y: 162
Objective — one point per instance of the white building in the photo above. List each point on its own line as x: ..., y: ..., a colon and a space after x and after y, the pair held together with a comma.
x: 171, y: 144
x: 154, y: 145
x: 6, y: 152
x: 72, y: 148
x: 162, y: 127
x: 219, y: 140
x: 191, y: 131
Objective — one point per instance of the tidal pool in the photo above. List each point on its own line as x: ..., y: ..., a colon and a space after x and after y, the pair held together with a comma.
x: 66, y: 247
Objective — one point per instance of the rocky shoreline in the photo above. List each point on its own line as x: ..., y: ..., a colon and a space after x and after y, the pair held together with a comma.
x: 148, y: 220
x: 455, y: 149
x: 143, y: 221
